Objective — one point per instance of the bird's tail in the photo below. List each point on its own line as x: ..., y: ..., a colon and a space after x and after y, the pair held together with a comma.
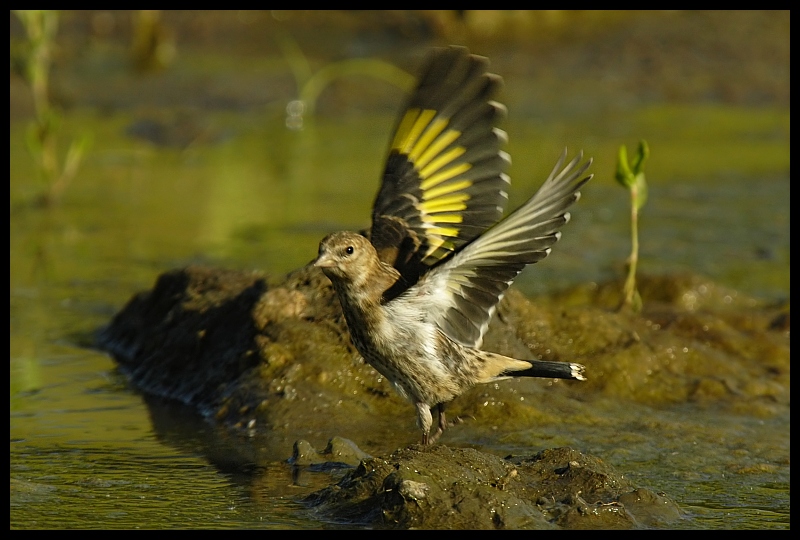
x: 496, y: 367
x: 552, y: 370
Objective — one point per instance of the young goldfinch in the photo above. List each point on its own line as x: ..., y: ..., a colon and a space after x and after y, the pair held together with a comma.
x: 419, y: 291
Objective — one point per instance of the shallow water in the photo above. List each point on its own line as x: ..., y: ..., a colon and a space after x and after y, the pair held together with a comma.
x: 87, y: 451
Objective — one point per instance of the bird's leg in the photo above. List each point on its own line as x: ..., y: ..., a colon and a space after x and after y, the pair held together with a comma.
x: 424, y: 421
x: 442, y: 423
x: 442, y: 420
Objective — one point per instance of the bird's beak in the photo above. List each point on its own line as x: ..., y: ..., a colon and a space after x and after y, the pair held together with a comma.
x: 324, y: 261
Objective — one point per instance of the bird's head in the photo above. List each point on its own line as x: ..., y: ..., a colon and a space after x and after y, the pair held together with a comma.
x: 346, y: 256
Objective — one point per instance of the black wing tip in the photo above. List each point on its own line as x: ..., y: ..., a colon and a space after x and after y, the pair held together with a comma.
x: 453, y: 75
x: 451, y: 52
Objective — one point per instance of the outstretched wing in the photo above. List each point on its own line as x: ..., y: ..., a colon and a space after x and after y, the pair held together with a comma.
x: 444, y: 181
x: 465, y: 290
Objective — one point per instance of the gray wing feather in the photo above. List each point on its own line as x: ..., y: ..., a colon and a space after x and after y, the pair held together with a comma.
x: 465, y: 290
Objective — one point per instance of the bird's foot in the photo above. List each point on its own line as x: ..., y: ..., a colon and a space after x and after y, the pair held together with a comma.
x: 458, y: 420
x: 443, y: 425
x: 434, y: 436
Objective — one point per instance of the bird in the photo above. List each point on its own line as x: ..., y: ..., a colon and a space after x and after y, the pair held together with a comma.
x: 420, y: 286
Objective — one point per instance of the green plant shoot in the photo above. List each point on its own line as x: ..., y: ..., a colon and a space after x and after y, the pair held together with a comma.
x: 631, y: 176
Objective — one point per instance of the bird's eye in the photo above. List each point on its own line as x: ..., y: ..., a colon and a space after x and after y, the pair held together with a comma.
x: 349, y: 250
